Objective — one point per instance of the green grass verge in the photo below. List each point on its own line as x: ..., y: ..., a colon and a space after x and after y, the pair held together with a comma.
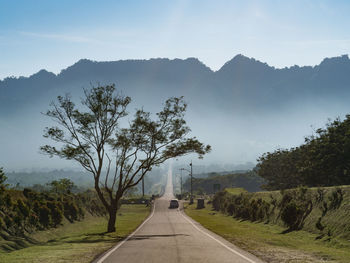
x: 235, y: 191
x: 78, y: 242
x: 268, y: 241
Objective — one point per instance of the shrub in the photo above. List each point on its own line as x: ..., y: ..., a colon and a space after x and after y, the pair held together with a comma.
x: 8, y: 221
x: 336, y: 198
x: 2, y: 223
x: 70, y: 211
x: 22, y: 208
x: 18, y: 222
x: 44, y: 216
x: 324, y: 208
x: 218, y: 200
x: 231, y: 209
x: 291, y: 214
x: 56, y: 212
x: 320, y: 195
x: 57, y: 216
x: 287, y: 197
x: 319, y: 225
x: 81, y: 212
x: 8, y: 201
x: 33, y: 220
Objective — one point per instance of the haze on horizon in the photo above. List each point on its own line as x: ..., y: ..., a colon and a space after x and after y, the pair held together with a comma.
x: 54, y: 35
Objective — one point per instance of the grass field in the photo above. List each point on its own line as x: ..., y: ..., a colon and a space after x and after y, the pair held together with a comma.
x: 79, y: 242
x: 268, y: 241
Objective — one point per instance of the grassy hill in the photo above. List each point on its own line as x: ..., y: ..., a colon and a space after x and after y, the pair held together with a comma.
x: 257, y: 222
x: 79, y: 242
x: 248, y: 180
x: 324, y: 211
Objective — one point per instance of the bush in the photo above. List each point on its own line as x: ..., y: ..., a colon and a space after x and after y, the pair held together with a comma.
x: 8, y: 201
x: 291, y: 214
x: 22, y: 208
x: 56, y: 212
x: 319, y: 225
x: 8, y: 221
x: 320, y: 195
x: 71, y: 211
x: 218, y: 201
x: 336, y: 198
x: 2, y: 223
x: 33, y: 220
x: 231, y: 209
x: 44, y: 216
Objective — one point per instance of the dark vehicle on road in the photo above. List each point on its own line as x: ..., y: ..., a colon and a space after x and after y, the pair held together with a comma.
x: 174, y: 203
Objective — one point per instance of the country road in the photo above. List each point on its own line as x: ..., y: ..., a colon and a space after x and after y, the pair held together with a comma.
x: 168, y: 236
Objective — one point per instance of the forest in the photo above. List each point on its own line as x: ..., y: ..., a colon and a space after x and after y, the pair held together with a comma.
x: 323, y: 160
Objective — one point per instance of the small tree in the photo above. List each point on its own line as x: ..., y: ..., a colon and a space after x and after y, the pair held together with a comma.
x: 2, y: 187
x: 2, y: 178
x: 62, y: 186
x: 145, y: 143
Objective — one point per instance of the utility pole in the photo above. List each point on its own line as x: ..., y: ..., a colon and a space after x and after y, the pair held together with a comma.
x: 143, y: 185
x: 191, y: 199
x: 191, y: 175
x: 181, y: 169
x: 181, y: 184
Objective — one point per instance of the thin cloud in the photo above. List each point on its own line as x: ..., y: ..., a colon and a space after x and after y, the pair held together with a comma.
x: 319, y: 42
x: 62, y: 37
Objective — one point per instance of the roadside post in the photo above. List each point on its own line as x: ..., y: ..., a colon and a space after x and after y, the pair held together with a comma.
x: 191, y: 176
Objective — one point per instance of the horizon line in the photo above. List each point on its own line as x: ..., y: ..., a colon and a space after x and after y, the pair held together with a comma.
x: 172, y: 59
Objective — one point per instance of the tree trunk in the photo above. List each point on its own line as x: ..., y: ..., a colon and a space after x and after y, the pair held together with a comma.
x: 112, y: 220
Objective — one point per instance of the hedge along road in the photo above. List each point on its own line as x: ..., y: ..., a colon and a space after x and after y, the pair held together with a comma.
x: 168, y: 235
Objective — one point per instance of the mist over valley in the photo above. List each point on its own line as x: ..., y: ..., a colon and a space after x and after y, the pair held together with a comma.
x: 242, y: 110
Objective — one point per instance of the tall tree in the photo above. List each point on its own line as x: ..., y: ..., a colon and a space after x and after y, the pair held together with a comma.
x: 118, y: 158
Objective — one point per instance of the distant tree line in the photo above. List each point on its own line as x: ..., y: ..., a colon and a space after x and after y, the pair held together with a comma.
x: 323, y: 160
x: 25, y: 211
x: 247, y: 180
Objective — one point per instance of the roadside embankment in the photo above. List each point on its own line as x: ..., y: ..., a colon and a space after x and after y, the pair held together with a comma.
x: 298, y: 225
x: 78, y: 242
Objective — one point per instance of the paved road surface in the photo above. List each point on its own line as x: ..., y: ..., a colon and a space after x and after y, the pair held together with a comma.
x: 170, y: 236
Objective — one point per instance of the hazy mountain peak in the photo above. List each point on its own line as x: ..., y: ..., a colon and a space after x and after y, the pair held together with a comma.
x: 245, y: 101
x: 334, y: 61
x: 241, y: 64
x: 43, y: 73
x: 79, y: 64
x: 84, y: 60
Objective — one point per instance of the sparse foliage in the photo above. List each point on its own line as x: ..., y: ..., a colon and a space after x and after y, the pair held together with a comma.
x: 62, y: 186
x: 118, y: 158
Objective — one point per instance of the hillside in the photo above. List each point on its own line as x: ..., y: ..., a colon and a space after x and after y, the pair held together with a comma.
x: 247, y: 180
x: 241, y: 80
x: 251, y: 105
x: 323, y: 211
x: 256, y: 223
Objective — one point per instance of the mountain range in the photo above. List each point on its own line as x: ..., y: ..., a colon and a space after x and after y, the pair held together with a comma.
x: 246, y: 103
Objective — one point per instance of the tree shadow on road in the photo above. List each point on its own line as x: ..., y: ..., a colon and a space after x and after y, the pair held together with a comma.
x: 141, y: 237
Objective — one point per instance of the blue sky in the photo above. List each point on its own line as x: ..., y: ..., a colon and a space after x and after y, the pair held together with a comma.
x: 55, y: 34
